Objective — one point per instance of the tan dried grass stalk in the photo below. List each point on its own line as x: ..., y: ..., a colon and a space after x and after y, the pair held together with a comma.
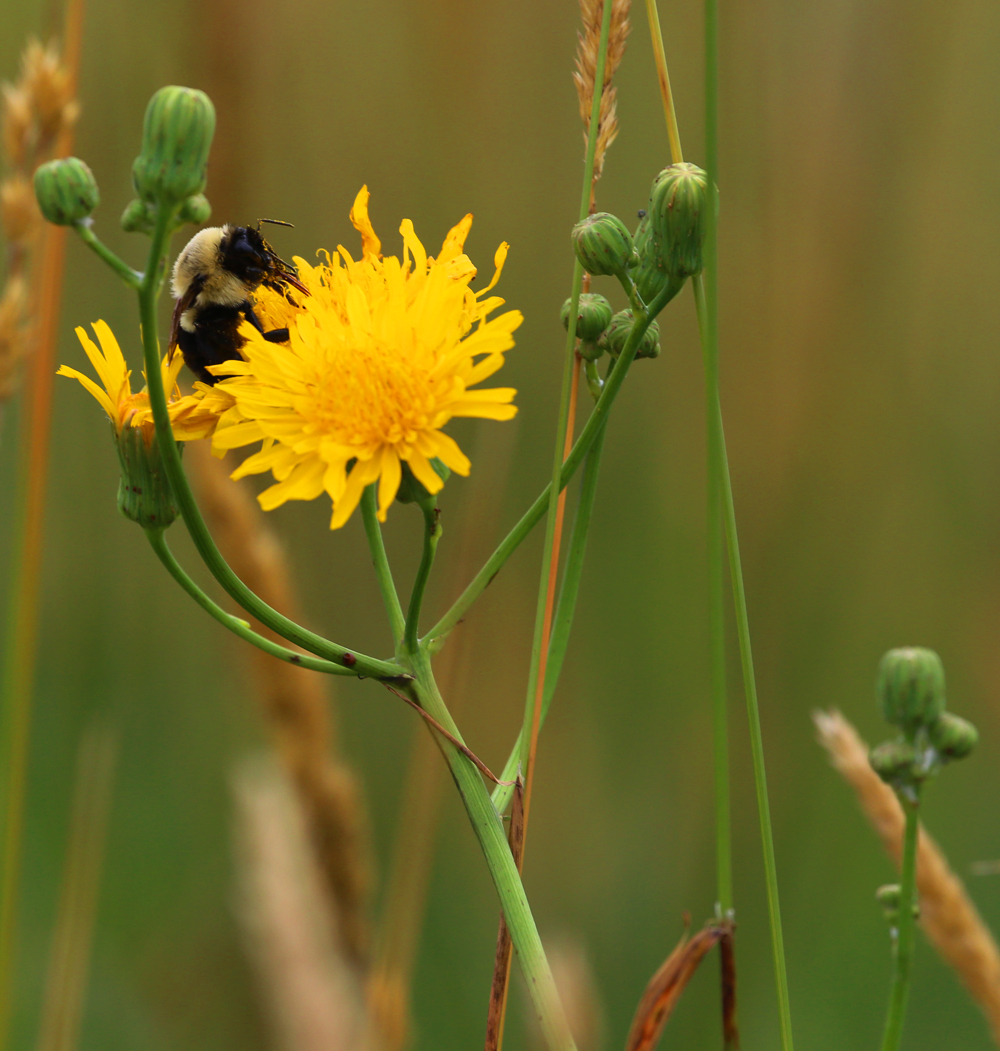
x: 69, y: 963
x: 586, y: 71
x: 947, y: 915
x: 310, y: 986
x: 295, y: 701
x: 38, y: 113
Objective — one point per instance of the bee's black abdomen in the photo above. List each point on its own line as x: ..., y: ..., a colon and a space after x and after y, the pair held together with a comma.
x: 216, y: 339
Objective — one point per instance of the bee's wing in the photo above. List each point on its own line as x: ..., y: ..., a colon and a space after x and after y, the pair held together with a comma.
x: 185, y: 301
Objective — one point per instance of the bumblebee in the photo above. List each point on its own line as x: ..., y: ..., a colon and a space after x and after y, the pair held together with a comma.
x: 214, y: 279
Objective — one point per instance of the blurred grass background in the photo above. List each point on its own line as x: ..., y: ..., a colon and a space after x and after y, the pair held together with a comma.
x: 860, y: 383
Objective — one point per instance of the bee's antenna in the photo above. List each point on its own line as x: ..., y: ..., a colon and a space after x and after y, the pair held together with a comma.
x: 276, y: 222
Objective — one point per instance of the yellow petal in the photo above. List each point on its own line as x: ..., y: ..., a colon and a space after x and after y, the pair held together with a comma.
x: 392, y: 474
x: 371, y: 247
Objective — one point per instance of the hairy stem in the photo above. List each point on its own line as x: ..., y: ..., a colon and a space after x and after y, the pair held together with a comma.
x: 906, y: 930
x: 131, y: 277
x: 386, y: 585
x: 489, y: 831
x: 432, y: 533
x: 158, y: 542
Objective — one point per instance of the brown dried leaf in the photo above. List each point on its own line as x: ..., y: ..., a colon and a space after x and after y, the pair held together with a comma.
x: 666, y: 986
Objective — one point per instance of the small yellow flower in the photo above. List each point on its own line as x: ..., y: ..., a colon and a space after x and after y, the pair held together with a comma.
x: 192, y: 416
x: 381, y: 356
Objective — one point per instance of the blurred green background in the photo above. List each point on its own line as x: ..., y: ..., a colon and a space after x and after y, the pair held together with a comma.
x: 860, y: 388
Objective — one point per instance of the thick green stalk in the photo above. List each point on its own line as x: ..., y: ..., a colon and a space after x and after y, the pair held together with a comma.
x: 581, y: 447
x: 562, y: 622
x: 432, y: 534
x: 753, y: 710
x: 489, y: 831
x: 131, y: 277
x: 158, y: 542
x: 359, y: 663
x: 905, y: 939
x: 390, y: 599
x: 536, y: 668
x: 714, y: 529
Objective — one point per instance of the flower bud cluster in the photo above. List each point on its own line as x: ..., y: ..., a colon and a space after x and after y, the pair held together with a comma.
x: 144, y: 494
x: 172, y: 165
x: 66, y: 191
x: 911, y: 691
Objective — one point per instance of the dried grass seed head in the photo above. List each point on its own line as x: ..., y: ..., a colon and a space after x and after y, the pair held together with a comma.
x: 19, y: 215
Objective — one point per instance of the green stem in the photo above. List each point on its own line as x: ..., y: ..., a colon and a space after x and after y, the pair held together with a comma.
x: 131, y: 277
x: 533, y: 515
x: 714, y: 528
x: 753, y: 711
x: 532, y: 701
x: 432, y: 534
x: 373, y: 531
x: 158, y: 542
x: 489, y: 831
x: 562, y: 622
x: 905, y: 939
x: 359, y: 663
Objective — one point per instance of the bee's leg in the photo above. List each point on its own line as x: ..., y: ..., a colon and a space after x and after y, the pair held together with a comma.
x: 276, y: 335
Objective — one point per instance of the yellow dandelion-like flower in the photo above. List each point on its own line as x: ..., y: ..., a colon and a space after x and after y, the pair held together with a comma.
x: 382, y: 354
x: 192, y: 416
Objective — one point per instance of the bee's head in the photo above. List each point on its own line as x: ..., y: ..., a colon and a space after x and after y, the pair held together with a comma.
x: 246, y: 255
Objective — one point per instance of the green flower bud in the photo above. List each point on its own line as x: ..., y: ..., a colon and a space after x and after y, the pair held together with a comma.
x: 66, y: 191
x: 893, y: 761
x: 144, y: 494
x: 138, y: 217
x: 889, y: 897
x: 911, y: 687
x: 678, y: 202
x: 952, y: 736
x: 593, y: 318
x: 616, y: 335
x: 195, y: 210
x: 603, y: 244
x: 412, y: 491
x: 176, y: 137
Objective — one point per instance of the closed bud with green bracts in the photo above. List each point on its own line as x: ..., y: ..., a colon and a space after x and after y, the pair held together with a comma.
x: 889, y: 897
x: 894, y: 761
x: 952, y: 736
x: 678, y: 207
x: 650, y: 275
x: 176, y: 137
x: 413, y: 491
x: 593, y: 318
x: 66, y: 191
x: 603, y: 244
x: 616, y: 336
x: 144, y: 494
x: 911, y: 687
x: 139, y: 217
x: 195, y: 210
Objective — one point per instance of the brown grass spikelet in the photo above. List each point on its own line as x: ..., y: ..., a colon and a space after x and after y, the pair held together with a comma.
x: 586, y: 71
x: 48, y: 85
x: 947, y: 914
x: 19, y: 214
x: 310, y: 988
x: 296, y: 704
x: 37, y: 116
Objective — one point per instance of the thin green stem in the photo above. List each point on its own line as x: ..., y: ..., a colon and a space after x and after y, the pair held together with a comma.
x: 536, y: 668
x: 581, y: 447
x: 359, y: 663
x: 714, y: 528
x: 753, y: 711
x: 562, y: 622
x: 157, y: 541
x: 489, y: 831
x: 373, y: 530
x: 432, y: 533
x: 131, y: 277
x: 906, y: 930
